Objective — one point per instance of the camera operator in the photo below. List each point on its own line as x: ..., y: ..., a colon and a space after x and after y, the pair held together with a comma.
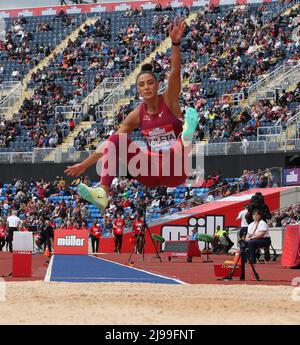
x: 258, y: 235
x: 258, y: 203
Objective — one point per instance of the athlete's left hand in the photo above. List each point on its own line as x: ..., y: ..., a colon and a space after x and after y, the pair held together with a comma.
x: 176, y: 30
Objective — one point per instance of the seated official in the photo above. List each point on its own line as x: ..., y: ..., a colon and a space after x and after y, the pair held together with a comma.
x: 257, y: 236
x: 222, y: 242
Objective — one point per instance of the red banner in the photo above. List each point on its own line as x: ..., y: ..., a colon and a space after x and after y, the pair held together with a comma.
x: 89, y: 8
x: 291, y: 247
x: 71, y: 241
x: 106, y: 6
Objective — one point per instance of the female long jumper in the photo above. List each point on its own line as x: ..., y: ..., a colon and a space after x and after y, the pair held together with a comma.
x: 159, y: 118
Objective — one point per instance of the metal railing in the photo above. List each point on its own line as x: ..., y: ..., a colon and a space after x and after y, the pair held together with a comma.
x: 292, y: 130
x: 69, y: 111
x: 7, y: 86
x: 269, y: 94
x: 273, y: 178
x: 214, y: 149
x: 249, y: 147
x: 269, y: 133
x: 285, y: 134
x: 107, y: 86
x: 11, y: 99
x: 283, y: 76
x: 110, y: 103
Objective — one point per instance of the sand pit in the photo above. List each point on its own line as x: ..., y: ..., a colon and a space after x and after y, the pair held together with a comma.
x: 37, y: 302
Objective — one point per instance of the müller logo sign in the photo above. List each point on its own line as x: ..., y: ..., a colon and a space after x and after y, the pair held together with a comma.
x: 71, y: 241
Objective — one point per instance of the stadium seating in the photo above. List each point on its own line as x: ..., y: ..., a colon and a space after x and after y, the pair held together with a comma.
x: 72, y: 74
x: 223, y: 84
x: 36, y: 44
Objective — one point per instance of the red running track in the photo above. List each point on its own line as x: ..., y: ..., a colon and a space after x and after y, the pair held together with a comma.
x: 196, y: 272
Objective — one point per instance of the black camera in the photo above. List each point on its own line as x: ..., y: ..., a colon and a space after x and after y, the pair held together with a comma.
x: 258, y: 203
x: 243, y: 245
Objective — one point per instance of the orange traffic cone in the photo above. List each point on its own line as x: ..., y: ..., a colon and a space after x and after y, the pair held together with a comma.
x: 47, y: 252
x: 236, y: 257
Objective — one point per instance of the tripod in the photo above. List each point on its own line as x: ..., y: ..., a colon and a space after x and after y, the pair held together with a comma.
x: 141, y: 239
x: 243, y: 256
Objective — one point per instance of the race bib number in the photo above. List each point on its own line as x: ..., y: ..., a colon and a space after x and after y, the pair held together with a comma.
x: 160, y: 138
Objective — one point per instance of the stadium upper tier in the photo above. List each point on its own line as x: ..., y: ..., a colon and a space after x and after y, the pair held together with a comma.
x: 222, y: 56
x: 223, y: 52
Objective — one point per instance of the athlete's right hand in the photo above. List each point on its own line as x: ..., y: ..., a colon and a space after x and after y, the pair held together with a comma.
x: 75, y: 170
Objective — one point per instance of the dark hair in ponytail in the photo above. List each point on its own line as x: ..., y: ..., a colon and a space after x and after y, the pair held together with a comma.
x: 146, y: 68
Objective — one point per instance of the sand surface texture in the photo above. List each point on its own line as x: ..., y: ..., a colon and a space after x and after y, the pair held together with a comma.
x: 152, y: 304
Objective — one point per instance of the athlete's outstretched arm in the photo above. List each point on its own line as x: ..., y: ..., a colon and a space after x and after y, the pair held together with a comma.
x: 127, y: 126
x: 176, y: 32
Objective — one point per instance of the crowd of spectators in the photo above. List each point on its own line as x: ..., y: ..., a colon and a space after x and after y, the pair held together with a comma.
x: 87, y: 137
x: 43, y: 27
x: 16, y: 45
x: 241, y: 48
x: 241, y: 45
x: 222, y: 124
x: 8, y: 132
x: 289, y: 216
x: 35, y: 204
x: 134, y: 13
x: 219, y: 120
x: 31, y: 201
x: 125, y: 195
x: 23, y: 46
x: 218, y: 187
x: 259, y: 179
